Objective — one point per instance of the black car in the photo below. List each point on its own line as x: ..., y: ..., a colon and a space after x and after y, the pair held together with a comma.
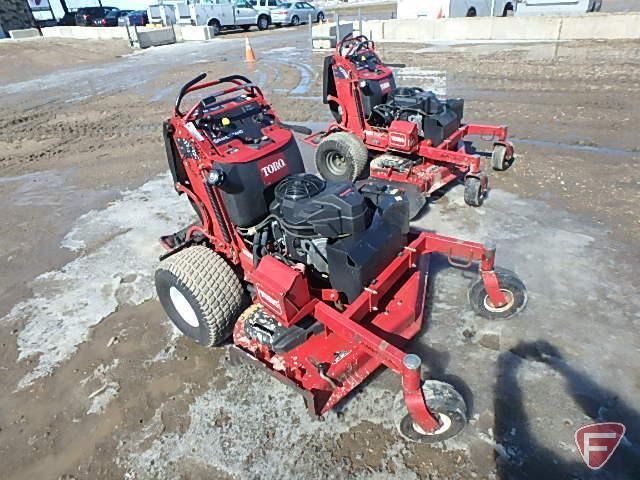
x: 111, y: 18
x: 69, y: 18
x: 138, y: 18
x: 85, y: 16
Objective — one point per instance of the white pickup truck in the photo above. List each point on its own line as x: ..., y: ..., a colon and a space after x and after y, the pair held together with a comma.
x: 217, y: 14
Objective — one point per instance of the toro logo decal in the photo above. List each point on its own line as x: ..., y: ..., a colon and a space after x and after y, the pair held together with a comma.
x: 398, y: 139
x: 272, y: 170
x: 598, y: 441
x: 269, y: 302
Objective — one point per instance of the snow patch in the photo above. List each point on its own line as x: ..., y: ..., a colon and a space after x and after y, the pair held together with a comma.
x: 118, y: 249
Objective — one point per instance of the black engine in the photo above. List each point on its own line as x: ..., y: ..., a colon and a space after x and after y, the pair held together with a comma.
x: 436, y: 119
x: 346, y: 234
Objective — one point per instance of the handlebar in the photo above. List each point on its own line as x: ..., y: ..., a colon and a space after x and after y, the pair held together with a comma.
x: 185, y: 89
x: 240, y: 81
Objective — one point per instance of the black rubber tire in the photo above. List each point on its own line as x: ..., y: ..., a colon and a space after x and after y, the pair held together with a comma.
x: 347, y: 146
x: 320, y: 17
x: 473, y: 192
x: 499, y: 160
x: 216, y: 27
x: 445, y: 402
x: 509, y: 282
x: 210, y: 287
x: 472, y: 12
x: 246, y: 28
x: 263, y: 22
x: 295, y: 21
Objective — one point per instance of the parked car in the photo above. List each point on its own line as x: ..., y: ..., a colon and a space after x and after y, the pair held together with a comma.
x: 137, y: 17
x: 557, y: 7
x: 295, y: 13
x: 111, y: 18
x: 86, y: 15
x: 68, y: 19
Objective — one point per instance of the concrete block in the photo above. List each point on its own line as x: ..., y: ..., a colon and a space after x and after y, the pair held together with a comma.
x: 601, y: 26
x: 476, y: 28
x: 525, y: 28
x: 153, y: 37
x: 414, y: 30
x: 24, y: 33
x: 329, y: 30
x: 188, y: 33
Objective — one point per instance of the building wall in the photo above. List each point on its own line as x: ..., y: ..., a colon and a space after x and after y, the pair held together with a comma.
x: 15, y: 14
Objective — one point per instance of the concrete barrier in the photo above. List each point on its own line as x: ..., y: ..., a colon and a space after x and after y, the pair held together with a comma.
x: 188, y: 33
x: 25, y: 33
x: 86, y: 33
x: 616, y: 26
x: 154, y: 37
x: 324, y: 35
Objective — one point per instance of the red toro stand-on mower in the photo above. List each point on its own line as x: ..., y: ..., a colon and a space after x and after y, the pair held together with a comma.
x: 415, y: 140
x: 320, y: 283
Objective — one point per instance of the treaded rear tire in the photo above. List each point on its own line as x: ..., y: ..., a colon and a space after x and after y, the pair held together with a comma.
x: 211, y: 288
x: 350, y: 148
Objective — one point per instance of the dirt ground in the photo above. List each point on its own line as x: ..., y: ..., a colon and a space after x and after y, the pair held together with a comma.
x: 98, y: 385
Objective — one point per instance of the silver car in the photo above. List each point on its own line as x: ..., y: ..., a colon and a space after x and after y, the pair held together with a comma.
x: 295, y: 13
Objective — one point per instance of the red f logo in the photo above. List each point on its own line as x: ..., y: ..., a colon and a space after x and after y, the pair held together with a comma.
x: 598, y: 441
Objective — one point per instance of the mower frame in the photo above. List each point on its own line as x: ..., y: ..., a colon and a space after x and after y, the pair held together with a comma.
x: 433, y: 166
x: 356, y: 338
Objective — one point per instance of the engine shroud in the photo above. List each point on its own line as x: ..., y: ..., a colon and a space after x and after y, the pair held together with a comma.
x: 346, y: 232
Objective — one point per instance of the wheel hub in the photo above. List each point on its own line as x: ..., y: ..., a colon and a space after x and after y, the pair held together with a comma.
x: 183, y: 307
x: 336, y: 164
x: 488, y: 304
x: 445, y: 424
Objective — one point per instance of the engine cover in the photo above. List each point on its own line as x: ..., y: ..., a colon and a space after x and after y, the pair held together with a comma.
x: 308, y: 206
x: 348, y: 233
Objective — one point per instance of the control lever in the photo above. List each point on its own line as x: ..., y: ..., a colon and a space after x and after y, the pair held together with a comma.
x: 296, y: 128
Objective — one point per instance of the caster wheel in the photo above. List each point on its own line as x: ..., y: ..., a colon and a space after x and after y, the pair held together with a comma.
x: 473, y: 192
x: 445, y: 403
x: 510, y: 285
x: 499, y: 159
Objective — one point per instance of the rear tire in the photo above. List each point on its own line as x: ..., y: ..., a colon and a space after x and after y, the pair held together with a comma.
x: 215, y: 24
x: 341, y: 157
x: 295, y: 21
x: 445, y: 403
x: 201, y: 294
x: 471, y: 12
x: 320, y: 17
x: 246, y: 27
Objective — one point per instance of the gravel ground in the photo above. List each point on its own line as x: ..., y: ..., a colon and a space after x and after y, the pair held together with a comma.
x: 97, y: 383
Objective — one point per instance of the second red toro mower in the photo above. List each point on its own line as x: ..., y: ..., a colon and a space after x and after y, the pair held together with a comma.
x: 410, y: 137
x: 319, y: 283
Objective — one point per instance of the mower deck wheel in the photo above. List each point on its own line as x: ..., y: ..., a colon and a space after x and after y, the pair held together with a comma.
x: 201, y: 294
x: 513, y: 289
x: 341, y: 157
x: 473, y: 194
x: 499, y: 160
x: 445, y: 403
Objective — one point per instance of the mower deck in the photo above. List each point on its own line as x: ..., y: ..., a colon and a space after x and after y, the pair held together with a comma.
x: 370, y: 332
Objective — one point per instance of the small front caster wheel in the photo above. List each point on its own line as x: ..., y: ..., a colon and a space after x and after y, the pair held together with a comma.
x: 510, y: 285
x: 445, y: 403
x: 473, y: 191
x: 500, y: 160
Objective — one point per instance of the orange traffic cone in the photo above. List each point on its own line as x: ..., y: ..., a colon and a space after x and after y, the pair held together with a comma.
x: 250, y: 56
x: 440, y: 13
